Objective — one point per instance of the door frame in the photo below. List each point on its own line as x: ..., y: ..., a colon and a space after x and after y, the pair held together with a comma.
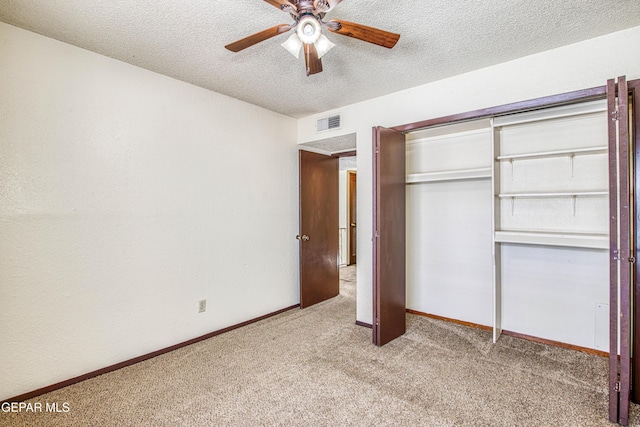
x: 336, y: 155
x: 351, y: 218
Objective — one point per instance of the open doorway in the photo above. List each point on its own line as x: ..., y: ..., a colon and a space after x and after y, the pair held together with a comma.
x: 347, y: 179
x: 348, y: 224
x: 353, y: 209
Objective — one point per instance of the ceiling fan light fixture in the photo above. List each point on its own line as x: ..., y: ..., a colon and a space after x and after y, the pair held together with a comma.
x: 293, y: 45
x: 323, y: 45
x: 308, y: 29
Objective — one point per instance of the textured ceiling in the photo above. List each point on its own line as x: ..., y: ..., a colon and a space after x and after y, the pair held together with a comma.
x: 439, y: 38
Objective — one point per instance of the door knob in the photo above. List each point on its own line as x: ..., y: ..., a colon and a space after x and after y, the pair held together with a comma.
x: 304, y: 237
x: 353, y: 224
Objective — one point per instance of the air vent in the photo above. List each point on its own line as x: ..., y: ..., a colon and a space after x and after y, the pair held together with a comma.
x: 328, y: 123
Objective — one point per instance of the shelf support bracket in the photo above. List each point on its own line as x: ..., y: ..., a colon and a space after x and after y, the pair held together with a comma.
x: 571, y: 158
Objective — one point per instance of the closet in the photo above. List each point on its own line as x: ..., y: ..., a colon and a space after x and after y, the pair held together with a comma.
x: 449, y: 216
x: 507, y: 223
x: 519, y: 218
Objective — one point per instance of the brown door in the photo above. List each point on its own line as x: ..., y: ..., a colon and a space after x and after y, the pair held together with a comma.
x: 352, y: 217
x: 389, y: 301
x: 621, y: 264
x: 319, y: 232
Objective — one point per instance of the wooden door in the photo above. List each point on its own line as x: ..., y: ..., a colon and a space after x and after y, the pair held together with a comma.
x: 621, y: 262
x: 389, y: 271
x: 352, y: 217
x: 319, y: 232
x: 634, y: 99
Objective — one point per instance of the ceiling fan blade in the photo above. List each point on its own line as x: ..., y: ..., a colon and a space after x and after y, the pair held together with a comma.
x: 362, y: 32
x: 313, y: 63
x: 324, y: 6
x: 249, y: 41
x: 278, y: 3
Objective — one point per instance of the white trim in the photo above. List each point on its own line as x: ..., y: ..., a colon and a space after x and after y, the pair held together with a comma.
x: 447, y: 136
x: 551, y: 195
x: 551, y: 113
x: 577, y: 240
x: 593, y: 150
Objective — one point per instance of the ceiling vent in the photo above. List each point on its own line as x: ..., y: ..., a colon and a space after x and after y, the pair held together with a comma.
x: 328, y: 123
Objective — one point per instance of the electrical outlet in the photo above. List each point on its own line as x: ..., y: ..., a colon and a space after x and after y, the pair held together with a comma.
x: 202, y: 306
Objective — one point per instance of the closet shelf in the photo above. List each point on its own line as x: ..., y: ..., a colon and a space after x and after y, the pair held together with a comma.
x: 591, y: 150
x: 575, y: 240
x: 550, y: 195
x: 453, y: 175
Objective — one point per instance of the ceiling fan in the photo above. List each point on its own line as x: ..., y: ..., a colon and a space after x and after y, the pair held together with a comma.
x: 308, y: 18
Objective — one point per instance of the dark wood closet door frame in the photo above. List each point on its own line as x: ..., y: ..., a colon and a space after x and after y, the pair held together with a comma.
x: 352, y: 216
x: 591, y: 94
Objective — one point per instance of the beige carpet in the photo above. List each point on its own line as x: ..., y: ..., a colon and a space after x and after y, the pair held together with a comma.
x: 316, y: 367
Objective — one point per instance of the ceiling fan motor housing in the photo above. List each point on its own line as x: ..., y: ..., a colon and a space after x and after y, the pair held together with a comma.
x: 305, y: 6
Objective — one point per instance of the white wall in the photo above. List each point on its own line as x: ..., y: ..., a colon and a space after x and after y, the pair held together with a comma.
x: 126, y: 197
x: 578, y: 66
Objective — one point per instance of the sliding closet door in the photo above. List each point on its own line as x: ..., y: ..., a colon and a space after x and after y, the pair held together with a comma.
x: 389, y: 301
x: 621, y: 261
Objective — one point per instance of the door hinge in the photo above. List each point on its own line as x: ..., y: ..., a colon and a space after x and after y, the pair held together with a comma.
x: 614, y: 115
x: 616, y: 387
x: 377, y: 322
x: 615, y: 256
